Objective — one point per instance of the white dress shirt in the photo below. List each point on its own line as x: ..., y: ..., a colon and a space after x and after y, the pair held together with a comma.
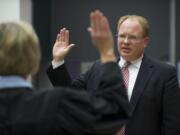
x: 57, y: 64
x: 133, y: 72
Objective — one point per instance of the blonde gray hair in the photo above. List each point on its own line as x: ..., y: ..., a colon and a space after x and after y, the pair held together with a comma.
x: 19, y: 49
x: 142, y: 21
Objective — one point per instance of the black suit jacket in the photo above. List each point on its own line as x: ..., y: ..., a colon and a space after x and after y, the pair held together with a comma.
x: 63, y: 111
x: 155, y: 101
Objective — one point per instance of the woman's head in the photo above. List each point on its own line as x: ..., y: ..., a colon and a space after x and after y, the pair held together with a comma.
x: 19, y: 49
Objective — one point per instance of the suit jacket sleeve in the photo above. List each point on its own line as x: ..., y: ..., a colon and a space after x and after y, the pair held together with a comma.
x: 104, y: 112
x: 61, y: 77
x: 171, y: 105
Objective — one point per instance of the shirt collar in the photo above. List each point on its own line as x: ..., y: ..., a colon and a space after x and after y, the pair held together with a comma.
x: 136, y: 63
x: 13, y: 81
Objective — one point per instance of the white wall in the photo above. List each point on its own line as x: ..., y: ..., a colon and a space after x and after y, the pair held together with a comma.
x: 11, y: 10
x: 15, y: 10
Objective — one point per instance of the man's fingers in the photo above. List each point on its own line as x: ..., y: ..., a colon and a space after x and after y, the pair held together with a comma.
x: 58, y: 38
x: 69, y: 47
x: 97, y: 23
x: 62, y: 34
x: 66, y: 37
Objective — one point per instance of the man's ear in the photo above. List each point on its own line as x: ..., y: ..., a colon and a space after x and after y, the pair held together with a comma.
x: 146, y: 41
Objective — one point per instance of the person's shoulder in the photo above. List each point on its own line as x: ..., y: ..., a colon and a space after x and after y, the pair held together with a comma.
x: 94, y: 65
x: 48, y: 97
x: 47, y: 93
x: 159, y: 63
x: 55, y: 91
x: 61, y: 95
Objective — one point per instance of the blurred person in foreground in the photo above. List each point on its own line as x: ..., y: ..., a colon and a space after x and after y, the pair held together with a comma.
x: 60, y: 111
x: 152, y: 85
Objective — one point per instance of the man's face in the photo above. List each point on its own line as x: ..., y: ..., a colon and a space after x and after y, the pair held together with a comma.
x: 131, y: 41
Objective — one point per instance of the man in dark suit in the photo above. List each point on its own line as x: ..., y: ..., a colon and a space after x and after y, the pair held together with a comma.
x: 152, y: 86
x: 60, y: 111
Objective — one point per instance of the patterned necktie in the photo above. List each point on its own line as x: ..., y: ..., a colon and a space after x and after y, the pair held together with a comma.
x: 125, y: 73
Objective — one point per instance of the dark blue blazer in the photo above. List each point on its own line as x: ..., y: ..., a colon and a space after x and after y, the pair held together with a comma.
x: 155, y: 101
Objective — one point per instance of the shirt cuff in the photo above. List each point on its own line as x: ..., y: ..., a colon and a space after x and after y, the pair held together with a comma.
x: 57, y: 64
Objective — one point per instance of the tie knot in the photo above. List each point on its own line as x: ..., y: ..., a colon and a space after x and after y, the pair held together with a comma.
x: 127, y: 64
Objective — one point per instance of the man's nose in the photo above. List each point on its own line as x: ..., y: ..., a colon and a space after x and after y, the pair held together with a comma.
x: 126, y: 39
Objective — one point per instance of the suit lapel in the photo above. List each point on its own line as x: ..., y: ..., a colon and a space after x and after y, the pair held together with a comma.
x: 144, y: 75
